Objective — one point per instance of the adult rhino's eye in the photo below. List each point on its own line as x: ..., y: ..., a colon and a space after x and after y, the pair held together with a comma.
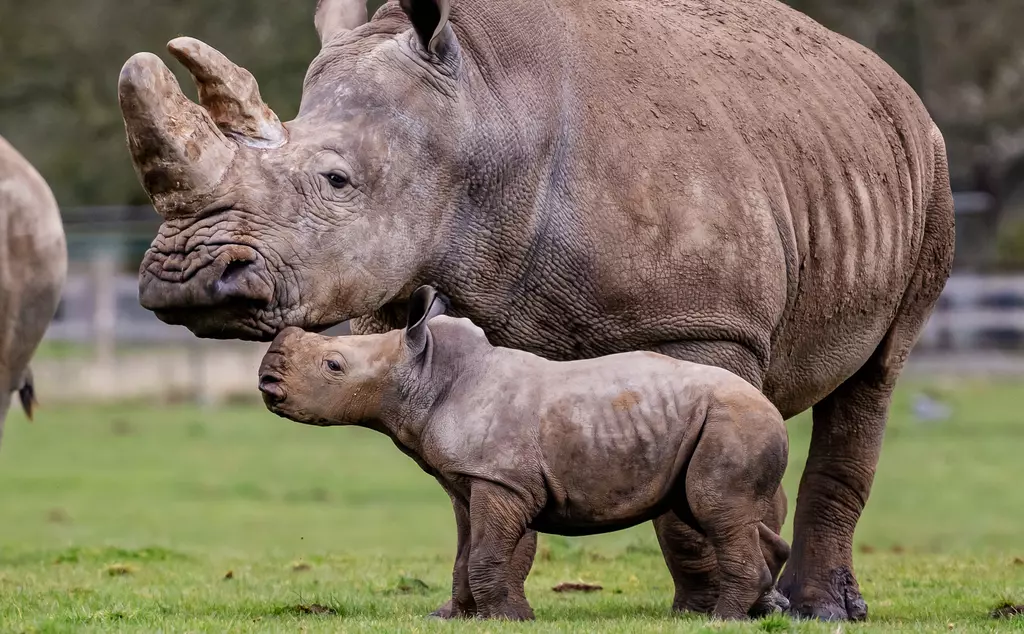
x: 333, y: 365
x: 336, y: 180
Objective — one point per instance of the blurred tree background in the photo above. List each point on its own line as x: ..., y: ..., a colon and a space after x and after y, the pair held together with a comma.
x: 59, y: 62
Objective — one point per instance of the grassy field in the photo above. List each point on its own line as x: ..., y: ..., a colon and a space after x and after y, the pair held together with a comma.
x: 149, y: 519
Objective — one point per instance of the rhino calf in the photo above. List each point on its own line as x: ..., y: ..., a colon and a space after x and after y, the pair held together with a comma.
x: 573, y: 448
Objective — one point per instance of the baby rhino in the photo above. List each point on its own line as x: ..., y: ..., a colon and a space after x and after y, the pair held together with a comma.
x: 571, y: 448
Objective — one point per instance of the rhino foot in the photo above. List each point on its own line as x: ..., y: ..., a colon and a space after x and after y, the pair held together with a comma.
x: 443, y: 612
x: 771, y: 602
x: 696, y: 603
x: 448, y: 612
x: 839, y: 600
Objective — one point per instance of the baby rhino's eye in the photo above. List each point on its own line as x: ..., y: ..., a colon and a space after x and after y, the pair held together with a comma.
x: 333, y: 365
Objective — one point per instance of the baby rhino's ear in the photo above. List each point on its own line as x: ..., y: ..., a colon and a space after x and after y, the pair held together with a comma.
x: 424, y: 304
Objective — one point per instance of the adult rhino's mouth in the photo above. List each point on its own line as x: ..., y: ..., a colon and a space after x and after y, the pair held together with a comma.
x: 230, y: 296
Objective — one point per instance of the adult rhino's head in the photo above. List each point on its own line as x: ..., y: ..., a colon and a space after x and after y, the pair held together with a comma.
x: 329, y: 216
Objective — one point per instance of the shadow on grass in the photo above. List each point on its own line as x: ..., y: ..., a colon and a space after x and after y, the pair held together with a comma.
x: 77, y: 554
x: 389, y: 607
x: 599, y: 614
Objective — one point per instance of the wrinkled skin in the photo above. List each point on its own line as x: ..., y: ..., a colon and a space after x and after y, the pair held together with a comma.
x: 574, y: 448
x: 723, y: 182
x: 33, y: 267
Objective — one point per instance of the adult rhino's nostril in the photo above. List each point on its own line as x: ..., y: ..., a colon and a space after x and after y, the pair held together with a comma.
x: 273, y: 391
x: 237, y: 280
x: 234, y: 270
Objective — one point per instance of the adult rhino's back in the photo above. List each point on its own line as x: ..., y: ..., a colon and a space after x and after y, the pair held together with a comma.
x: 773, y: 177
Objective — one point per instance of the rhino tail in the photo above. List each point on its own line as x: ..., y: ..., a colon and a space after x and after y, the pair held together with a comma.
x: 27, y: 393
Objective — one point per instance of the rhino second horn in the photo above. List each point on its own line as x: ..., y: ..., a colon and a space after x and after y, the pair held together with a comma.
x: 229, y: 93
x: 178, y: 152
x: 334, y: 17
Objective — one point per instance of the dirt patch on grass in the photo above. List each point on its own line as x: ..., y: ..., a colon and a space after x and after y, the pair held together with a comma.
x: 315, y: 608
x: 119, y: 570
x: 410, y: 585
x: 577, y: 587
x: 121, y: 427
x: 1007, y: 610
x: 58, y: 516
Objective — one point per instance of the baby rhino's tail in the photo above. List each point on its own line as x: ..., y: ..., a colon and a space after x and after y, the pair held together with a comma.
x: 27, y: 393
x: 776, y: 553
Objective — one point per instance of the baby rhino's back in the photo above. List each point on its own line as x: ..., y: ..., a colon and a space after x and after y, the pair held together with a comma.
x: 616, y: 432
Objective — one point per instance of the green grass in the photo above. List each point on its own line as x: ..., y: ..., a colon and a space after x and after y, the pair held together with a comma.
x: 52, y: 350
x: 129, y: 519
x: 56, y: 350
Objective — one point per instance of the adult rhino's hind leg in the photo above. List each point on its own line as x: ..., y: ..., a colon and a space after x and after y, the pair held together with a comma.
x: 847, y: 438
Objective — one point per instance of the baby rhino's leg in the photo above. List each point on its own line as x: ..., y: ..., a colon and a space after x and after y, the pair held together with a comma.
x: 731, y: 487
x: 498, y: 521
x: 461, y: 605
x: 519, y: 569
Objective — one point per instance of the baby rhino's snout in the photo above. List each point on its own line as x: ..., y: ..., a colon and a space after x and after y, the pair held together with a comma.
x: 271, y: 379
x: 273, y: 390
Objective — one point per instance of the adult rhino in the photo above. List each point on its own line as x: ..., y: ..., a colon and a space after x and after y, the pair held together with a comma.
x: 33, y: 266
x: 723, y: 181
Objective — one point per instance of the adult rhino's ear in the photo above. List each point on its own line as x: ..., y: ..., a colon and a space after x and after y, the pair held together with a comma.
x: 430, y: 21
x: 424, y: 305
x: 334, y: 17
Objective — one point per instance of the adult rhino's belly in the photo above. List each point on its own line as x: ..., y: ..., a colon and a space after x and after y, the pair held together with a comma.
x: 829, y: 336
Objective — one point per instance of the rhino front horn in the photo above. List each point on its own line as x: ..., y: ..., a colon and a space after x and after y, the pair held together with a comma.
x: 229, y: 93
x: 178, y: 152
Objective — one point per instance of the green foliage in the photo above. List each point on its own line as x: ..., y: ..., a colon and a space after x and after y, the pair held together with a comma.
x: 124, y: 519
x: 59, y: 63
x: 1010, y: 245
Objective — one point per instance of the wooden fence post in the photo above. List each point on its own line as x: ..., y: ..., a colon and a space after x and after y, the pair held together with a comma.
x: 104, y: 285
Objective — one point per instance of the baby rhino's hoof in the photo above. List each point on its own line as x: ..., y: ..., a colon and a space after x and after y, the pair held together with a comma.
x: 771, y: 602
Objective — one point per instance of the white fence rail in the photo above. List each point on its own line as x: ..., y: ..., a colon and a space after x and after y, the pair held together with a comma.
x: 121, y: 350
x: 101, y: 308
x: 977, y: 328
x: 978, y: 313
x: 975, y: 313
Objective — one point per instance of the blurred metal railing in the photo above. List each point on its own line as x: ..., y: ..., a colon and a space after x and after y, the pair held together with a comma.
x: 100, y: 305
x: 978, y: 313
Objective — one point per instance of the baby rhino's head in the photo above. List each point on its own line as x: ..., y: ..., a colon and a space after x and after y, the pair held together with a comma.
x: 321, y: 380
